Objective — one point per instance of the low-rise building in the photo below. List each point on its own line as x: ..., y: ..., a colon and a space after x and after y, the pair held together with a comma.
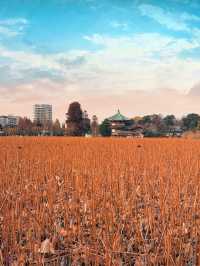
x: 174, y: 131
x: 9, y: 121
x: 3, y: 120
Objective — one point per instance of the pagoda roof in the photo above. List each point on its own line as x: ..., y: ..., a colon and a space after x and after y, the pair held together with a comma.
x: 118, y: 117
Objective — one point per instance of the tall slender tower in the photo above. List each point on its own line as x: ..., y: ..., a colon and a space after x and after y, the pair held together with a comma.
x: 95, y: 126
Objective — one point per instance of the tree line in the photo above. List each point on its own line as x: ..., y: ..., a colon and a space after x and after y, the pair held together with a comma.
x: 78, y: 123
x: 157, y: 125
x: 26, y: 127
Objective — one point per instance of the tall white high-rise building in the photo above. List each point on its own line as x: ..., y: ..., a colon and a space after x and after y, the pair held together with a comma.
x: 42, y: 113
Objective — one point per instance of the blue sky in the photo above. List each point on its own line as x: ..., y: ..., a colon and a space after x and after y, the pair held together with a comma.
x: 139, y: 56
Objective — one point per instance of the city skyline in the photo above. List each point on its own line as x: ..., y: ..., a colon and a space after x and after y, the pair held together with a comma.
x: 140, y: 56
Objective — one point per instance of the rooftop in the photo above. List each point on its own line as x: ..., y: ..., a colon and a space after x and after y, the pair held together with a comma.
x: 118, y: 117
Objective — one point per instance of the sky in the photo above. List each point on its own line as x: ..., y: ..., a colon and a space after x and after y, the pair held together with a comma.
x: 141, y: 56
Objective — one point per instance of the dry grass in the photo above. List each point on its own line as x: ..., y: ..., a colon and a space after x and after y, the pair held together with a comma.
x: 100, y: 201
x: 192, y: 135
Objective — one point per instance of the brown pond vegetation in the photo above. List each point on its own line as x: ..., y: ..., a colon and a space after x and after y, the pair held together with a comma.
x: 78, y: 201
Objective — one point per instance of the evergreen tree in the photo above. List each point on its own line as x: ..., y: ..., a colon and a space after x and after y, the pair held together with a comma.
x: 78, y: 123
x: 105, y: 129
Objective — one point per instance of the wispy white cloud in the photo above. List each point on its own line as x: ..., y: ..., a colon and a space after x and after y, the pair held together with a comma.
x: 119, y: 25
x: 12, y: 27
x: 144, y: 61
x: 14, y: 21
x: 144, y: 44
x: 171, y: 20
x: 19, y: 67
x: 127, y: 62
x: 8, y: 32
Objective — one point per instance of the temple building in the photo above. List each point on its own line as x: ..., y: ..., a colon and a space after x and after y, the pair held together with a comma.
x: 122, y: 126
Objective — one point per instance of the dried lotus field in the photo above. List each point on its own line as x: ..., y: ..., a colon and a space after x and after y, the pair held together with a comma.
x: 81, y: 201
